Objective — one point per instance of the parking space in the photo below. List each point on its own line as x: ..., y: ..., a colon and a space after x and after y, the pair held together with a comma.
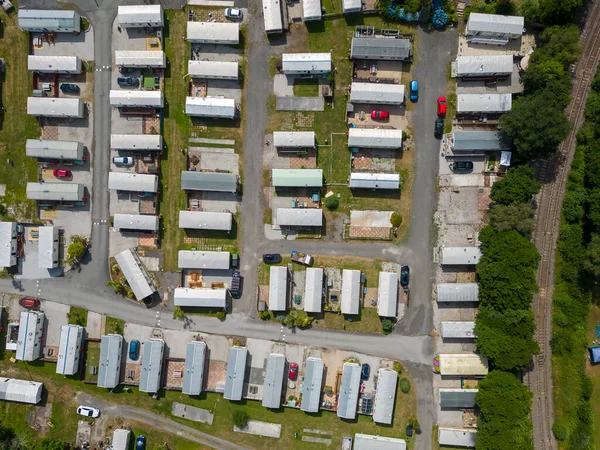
x: 378, y: 71
x: 29, y: 263
x: 361, y: 117
x: 65, y: 44
x: 56, y: 317
x: 520, y: 46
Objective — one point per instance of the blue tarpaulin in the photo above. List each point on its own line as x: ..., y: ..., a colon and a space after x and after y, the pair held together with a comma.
x: 594, y: 354
x: 597, y: 330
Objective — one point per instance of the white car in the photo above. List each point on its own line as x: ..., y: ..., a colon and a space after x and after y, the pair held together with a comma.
x: 88, y: 411
x: 234, y: 14
x: 123, y: 160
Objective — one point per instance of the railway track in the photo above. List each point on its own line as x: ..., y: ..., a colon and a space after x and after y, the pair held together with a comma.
x: 553, y: 173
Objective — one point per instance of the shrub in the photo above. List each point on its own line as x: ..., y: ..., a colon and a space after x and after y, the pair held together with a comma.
x: 387, y: 326
x: 560, y: 431
x: 332, y: 203
x: 398, y: 367
x: 396, y: 220
x: 264, y: 315
x: 178, y: 313
x: 405, y: 385
x: 240, y: 418
x: 221, y: 315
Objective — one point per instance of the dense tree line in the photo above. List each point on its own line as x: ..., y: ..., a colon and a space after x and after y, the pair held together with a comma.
x: 11, y: 440
x: 546, y: 12
x: 578, y: 271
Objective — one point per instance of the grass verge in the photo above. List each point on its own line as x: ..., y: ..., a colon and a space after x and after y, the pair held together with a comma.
x: 306, y: 87
x: 77, y: 316
x: 114, y: 326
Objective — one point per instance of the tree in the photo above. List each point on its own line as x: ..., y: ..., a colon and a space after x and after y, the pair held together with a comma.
x: 560, y: 431
x: 505, y: 404
x: 387, y: 326
x: 332, y: 203
x: 517, y: 186
x: 559, y: 11
x: 118, y: 287
x: 51, y: 444
x: 519, y: 217
x: 508, y: 247
x: 506, y: 338
x: 75, y: 251
x: 538, y: 76
x: 414, y: 422
x: 592, y: 256
x: 592, y: 106
x: 240, y: 418
x: 537, y: 124
x: 396, y: 220
x: 530, y: 9
x: 558, y: 43
x: 178, y: 313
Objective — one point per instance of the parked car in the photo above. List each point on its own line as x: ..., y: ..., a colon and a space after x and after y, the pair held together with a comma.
x: 235, y: 260
x: 236, y: 284
x: 62, y: 173
x: 439, y: 128
x: 441, y: 106
x: 380, y: 115
x: 29, y: 303
x: 404, y: 276
x: 134, y: 350
x: 271, y: 258
x: 234, y: 14
x: 462, y: 165
x: 88, y: 411
x: 414, y: 90
x: 293, y: 371
x: 123, y: 160
x: 127, y: 81
x: 365, y: 372
x: 409, y: 430
x: 140, y: 442
x: 69, y: 88
x: 127, y: 69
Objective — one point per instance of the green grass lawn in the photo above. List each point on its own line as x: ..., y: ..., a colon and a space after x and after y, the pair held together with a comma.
x: 92, y: 358
x: 114, y: 326
x: 16, y: 125
x: 306, y: 87
x: 77, y: 316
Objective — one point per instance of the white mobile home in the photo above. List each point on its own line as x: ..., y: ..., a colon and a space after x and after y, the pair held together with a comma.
x: 457, y: 437
x: 140, y: 59
x: 278, y: 288
x: 311, y: 387
x: 313, y: 290
x: 483, y: 103
x: 109, y: 365
x: 31, y: 334
x: 311, y: 10
x: 8, y: 244
x: 385, y: 396
x: 205, y: 220
x: 209, y: 181
x: 136, y: 142
x: 483, y: 66
x: 271, y: 10
x: 463, y: 364
x: 349, y: 391
x: 48, y: 256
x: 152, y: 360
x: 133, y: 182
x: 55, y: 192
x: 294, y: 139
x: 374, y: 138
x: 458, y: 330
x: 136, y: 99
x: 387, y: 294
x: 216, y: 107
x: 72, y: 108
x: 461, y: 256
x: 372, y: 442
x: 479, y: 141
x: 193, y: 371
x: 299, y: 217
x: 363, y: 180
x: 457, y: 292
x: 306, y: 63
x: 188, y: 259
x: 54, y: 64
x: 200, y: 297
x: 213, y: 33
x: 21, y: 391
x: 386, y: 49
x: 49, y: 20
x: 69, y: 349
x: 135, y: 222
x: 135, y: 274
x: 221, y: 70
x: 377, y: 93
x: 457, y: 398
x: 290, y: 178
x: 120, y: 440
x: 51, y: 149
x: 350, y: 291
x: 350, y: 6
x: 236, y: 371
x: 140, y: 16
x: 274, y: 381
x: 493, y: 28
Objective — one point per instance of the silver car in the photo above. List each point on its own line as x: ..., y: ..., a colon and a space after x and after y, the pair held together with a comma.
x: 234, y: 14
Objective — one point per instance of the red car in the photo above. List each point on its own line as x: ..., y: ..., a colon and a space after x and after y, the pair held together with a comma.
x: 441, y: 106
x: 380, y: 115
x: 28, y: 302
x: 293, y: 371
x: 62, y: 173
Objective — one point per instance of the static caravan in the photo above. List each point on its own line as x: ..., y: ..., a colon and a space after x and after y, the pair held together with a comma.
x: 54, y: 64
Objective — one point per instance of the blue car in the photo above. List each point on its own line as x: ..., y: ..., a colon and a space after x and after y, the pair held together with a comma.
x: 140, y: 442
x: 134, y: 350
x: 414, y: 91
